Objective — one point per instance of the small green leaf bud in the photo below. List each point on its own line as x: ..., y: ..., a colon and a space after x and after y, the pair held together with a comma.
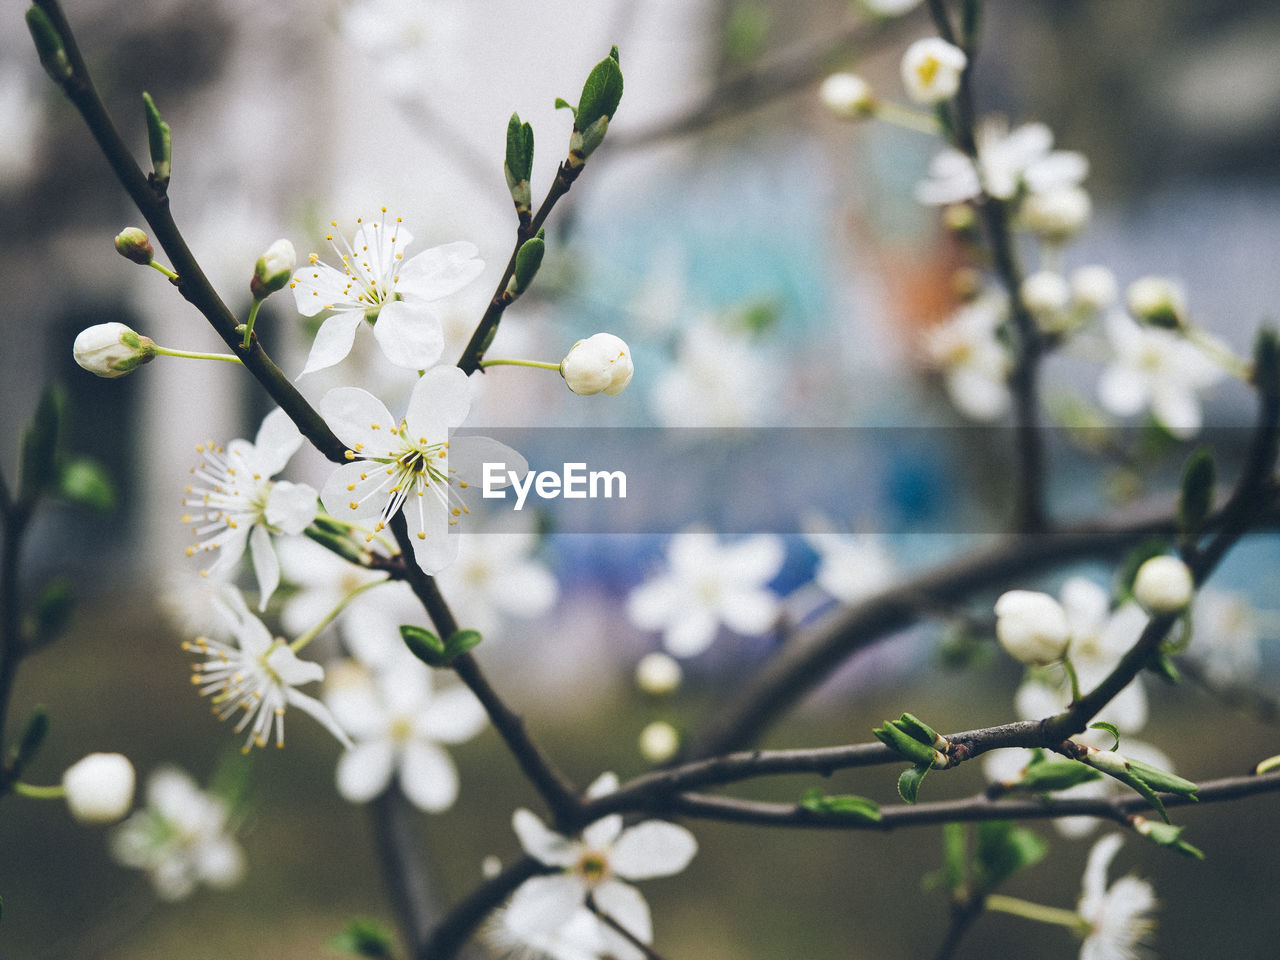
x: 528, y: 260
x: 518, y: 165
x: 1166, y: 835
x: 601, y: 93
x: 132, y: 243
x: 159, y: 140
x: 460, y: 642
x: 842, y: 806
x: 273, y: 269
x: 112, y: 350
x: 424, y: 645
x: 1196, y: 497
x: 910, y: 780
x: 53, y: 55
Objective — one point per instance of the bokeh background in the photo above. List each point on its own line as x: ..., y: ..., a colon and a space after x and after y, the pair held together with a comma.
x: 777, y: 228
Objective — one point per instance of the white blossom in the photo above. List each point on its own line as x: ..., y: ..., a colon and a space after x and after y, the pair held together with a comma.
x: 410, y: 463
x: 1008, y: 161
x: 1158, y: 300
x: 658, y: 673
x: 111, y: 350
x: 974, y: 364
x: 1163, y: 585
x: 182, y: 838
x: 1157, y: 369
x: 99, y: 787
x: 1056, y: 215
x: 398, y: 722
x: 377, y: 285
x: 851, y: 566
x: 272, y: 270
x: 890, y: 8
x: 257, y: 674
x: 708, y: 584
x: 1119, y: 916
x: 1225, y: 640
x: 599, y: 364
x: 846, y: 95
x: 320, y: 581
x: 1093, y: 288
x: 720, y: 379
x: 1031, y: 626
x: 931, y: 70
x: 496, y: 578
x: 597, y: 864
x: 233, y: 501
x: 1046, y: 294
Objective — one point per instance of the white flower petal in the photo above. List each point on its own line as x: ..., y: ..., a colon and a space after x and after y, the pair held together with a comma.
x: 277, y: 440
x: 541, y: 842
x: 428, y: 777
x: 545, y: 904
x: 626, y: 905
x: 1121, y: 392
x: 333, y: 340
x: 441, y: 398
x: 359, y: 419
x: 749, y: 612
x: 365, y: 770
x: 649, y: 605
x: 351, y: 492
x: 409, y: 334
x: 690, y: 633
x: 317, y: 287
x: 654, y: 848
x: 453, y: 716
x: 468, y: 455
x: 601, y: 834
x: 265, y: 565
x: 290, y: 506
x: 440, y: 271
x: 319, y: 712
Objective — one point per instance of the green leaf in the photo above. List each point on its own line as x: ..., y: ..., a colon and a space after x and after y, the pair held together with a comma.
x: 40, y: 442
x: 33, y: 735
x: 1199, y: 477
x: 461, y: 642
x: 955, y: 855
x: 1167, y: 835
x: 159, y: 139
x: 86, y: 482
x: 528, y: 260
x: 1266, y: 361
x: 1112, y: 729
x: 1004, y: 850
x: 1164, y: 668
x: 52, y: 612
x: 363, y: 938
x: 1163, y: 780
x: 49, y: 47
x: 519, y: 159
x: 897, y: 740
x: 1055, y: 773
x: 843, y: 806
x: 917, y: 729
x: 746, y: 31
x: 563, y: 104
x: 424, y: 645
x: 601, y: 93
x: 909, y: 782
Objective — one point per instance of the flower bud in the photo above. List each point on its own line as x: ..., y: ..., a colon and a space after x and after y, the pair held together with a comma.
x: 1045, y: 293
x: 1093, y: 287
x: 931, y: 70
x: 1163, y: 585
x: 112, y: 350
x: 99, y: 788
x: 1057, y: 215
x: 1032, y: 627
x: 601, y: 363
x: 273, y: 269
x: 658, y: 673
x: 1157, y: 301
x: 133, y: 244
x: 847, y: 96
x: 659, y: 742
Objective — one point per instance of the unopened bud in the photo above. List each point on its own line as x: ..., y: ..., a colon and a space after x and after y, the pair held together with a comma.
x: 1045, y: 293
x: 598, y: 364
x: 847, y: 96
x: 1163, y: 585
x: 1157, y: 301
x: 112, y: 350
x: 1057, y: 215
x: 1093, y: 288
x: 1032, y: 627
x: 132, y: 243
x: 99, y: 788
x: 273, y: 269
x: 659, y: 742
x: 658, y: 673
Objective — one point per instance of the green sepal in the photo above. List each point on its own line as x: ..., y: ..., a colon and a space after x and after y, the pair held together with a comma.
x: 1055, y: 773
x: 38, y: 472
x: 1266, y: 361
x: 841, y: 806
x: 910, y: 780
x: 1195, y: 500
x: 519, y: 158
x: 461, y: 642
x: 49, y: 47
x: 591, y: 138
x: 363, y: 938
x: 1004, y: 850
x: 159, y: 139
x: 338, y: 543
x: 528, y: 260
x: 33, y: 735
x: 52, y: 612
x: 1167, y: 835
x: 600, y: 94
x: 85, y: 482
x: 1163, y: 667
x: 1112, y: 729
x: 424, y: 645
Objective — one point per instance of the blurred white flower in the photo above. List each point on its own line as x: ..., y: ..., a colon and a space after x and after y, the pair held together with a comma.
x: 378, y: 286
x: 597, y: 865
x: 99, y: 787
x: 257, y: 673
x: 580, y: 938
x: 1032, y: 627
x: 890, y: 8
x: 398, y: 722
x: 320, y: 579
x: 1046, y: 294
x: 1120, y: 915
x: 846, y: 95
x: 931, y: 70
x: 1093, y: 288
x: 233, y: 501
x: 658, y: 673
x: 1157, y: 369
x: 1007, y: 161
x: 1056, y: 215
x: 1157, y: 300
x: 659, y: 741
x: 182, y: 838
x: 411, y: 463
x: 495, y: 577
x: 1163, y: 585
x: 719, y: 379
x: 708, y: 584
x: 974, y: 364
x: 851, y: 566
x: 1225, y: 639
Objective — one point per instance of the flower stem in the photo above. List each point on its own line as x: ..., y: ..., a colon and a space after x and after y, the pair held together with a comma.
x: 165, y: 270
x: 193, y: 355
x: 1218, y: 352
x: 328, y: 618
x: 905, y: 117
x: 1071, y: 675
x: 1036, y: 911
x: 253, y: 316
x: 519, y: 363
x: 39, y: 793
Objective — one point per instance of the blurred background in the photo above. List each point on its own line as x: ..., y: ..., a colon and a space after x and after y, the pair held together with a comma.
x: 769, y: 266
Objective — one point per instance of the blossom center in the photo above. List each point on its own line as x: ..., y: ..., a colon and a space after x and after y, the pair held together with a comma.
x: 592, y: 867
